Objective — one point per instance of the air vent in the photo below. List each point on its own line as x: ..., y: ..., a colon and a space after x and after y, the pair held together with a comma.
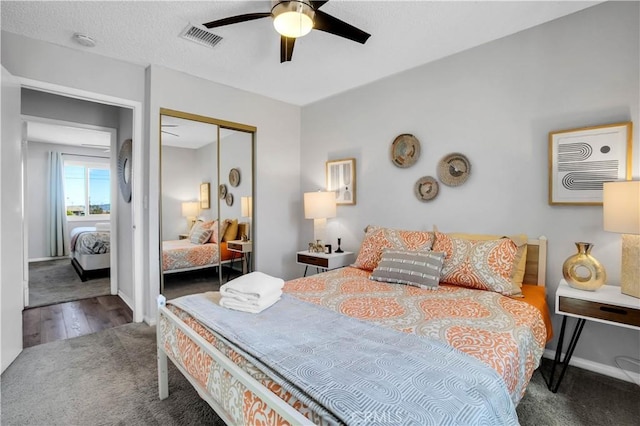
x: 200, y: 35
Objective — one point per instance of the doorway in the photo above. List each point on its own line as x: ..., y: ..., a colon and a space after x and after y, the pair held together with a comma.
x: 80, y: 265
x: 125, y: 232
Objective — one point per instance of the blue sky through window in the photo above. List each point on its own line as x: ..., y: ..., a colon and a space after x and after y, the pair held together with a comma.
x: 76, y: 187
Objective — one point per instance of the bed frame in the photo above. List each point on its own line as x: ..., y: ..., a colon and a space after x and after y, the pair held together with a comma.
x: 90, y: 266
x: 535, y: 272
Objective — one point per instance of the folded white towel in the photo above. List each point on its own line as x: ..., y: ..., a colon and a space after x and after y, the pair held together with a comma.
x: 244, y: 297
x: 254, y: 307
x: 252, y: 286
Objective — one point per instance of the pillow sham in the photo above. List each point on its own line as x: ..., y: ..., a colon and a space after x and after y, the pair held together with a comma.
x: 197, y: 227
x: 377, y: 238
x: 214, y: 232
x: 484, y: 265
x: 200, y: 237
x: 517, y: 276
x: 416, y: 268
x: 231, y: 232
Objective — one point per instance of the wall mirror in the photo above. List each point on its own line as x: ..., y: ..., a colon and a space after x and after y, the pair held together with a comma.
x: 201, y: 229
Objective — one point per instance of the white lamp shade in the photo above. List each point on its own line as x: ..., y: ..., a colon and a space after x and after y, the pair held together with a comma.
x: 621, y: 207
x: 293, y: 18
x: 190, y: 209
x: 319, y: 205
x: 246, y: 206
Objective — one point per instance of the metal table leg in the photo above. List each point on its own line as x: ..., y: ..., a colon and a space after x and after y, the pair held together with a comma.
x: 567, y: 358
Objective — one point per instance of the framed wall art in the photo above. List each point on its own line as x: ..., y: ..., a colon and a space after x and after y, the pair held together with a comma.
x: 204, y: 196
x: 581, y: 160
x: 341, y: 178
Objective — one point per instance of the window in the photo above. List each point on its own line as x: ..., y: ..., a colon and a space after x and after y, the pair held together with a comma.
x: 87, y: 188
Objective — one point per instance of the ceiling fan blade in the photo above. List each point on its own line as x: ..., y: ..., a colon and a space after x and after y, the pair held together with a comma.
x: 317, y: 4
x: 331, y: 25
x: 286, y: 48
x: 236, y: 19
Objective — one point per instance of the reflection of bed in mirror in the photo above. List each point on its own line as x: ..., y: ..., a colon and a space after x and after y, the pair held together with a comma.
x: 90, y: 251
x: 193, y: 253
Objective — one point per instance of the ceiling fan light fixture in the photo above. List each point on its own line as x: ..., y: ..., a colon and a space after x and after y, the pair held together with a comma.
x: 293, y: 19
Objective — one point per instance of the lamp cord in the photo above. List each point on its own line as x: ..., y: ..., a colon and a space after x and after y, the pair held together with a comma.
x: 629, y: 360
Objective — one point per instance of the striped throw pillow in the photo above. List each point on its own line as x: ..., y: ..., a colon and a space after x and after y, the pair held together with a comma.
x: 416, y: 268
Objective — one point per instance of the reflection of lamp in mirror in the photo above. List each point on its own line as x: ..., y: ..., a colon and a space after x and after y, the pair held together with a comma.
x: 246, y: 210
x: 319, y: 206
x: 190, y: 211
x: 621, y: 211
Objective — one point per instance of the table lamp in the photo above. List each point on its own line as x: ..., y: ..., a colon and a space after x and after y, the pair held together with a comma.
x: 190, y: 211
x: 621, y: 213
x: 319, y: 206
x: 246, y: 210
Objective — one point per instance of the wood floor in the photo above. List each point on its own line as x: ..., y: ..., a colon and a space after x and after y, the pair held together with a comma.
x: 71, y: 319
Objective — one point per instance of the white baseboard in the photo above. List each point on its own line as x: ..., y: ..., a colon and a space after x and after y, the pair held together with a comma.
x: 150, y: 321
x: 596, y: 367
x: 42, y: 259
x: 125, y: 299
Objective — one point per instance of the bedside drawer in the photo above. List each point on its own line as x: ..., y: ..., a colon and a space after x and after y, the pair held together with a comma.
x: 240, y: 246
x: 313, y: 260
x: 234, y: 246
x: 623, y: 315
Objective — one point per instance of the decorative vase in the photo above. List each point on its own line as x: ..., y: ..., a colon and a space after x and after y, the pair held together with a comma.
x: 583, y: 271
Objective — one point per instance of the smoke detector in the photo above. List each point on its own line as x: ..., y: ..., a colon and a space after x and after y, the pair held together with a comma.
x: 84, y: 40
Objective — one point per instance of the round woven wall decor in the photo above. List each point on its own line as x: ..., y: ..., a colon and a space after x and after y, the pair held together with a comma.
x: 426, y: 188
x: 454, y: 169
x: 405, y: 150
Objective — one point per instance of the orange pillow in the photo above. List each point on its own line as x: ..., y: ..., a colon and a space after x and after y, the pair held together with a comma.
x: 479, y: 264
x: 376, y: 239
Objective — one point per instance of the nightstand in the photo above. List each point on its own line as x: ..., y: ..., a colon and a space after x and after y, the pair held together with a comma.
x: 244, y: 248
x: 324, y: 261
x: 183, y: 236
x: 606, y: 305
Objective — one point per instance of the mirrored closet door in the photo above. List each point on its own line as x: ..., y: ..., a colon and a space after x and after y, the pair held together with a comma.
x: 202, y: 219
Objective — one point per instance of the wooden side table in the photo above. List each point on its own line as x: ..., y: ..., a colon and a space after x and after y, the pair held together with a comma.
x: 324, y: 261
x: 606, y: 305
x: 244, y: 249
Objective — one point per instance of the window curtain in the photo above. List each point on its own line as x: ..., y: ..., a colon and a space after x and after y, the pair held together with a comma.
x: 57, y: 217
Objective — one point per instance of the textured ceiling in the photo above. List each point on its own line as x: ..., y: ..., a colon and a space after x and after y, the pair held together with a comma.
x: 404, y: 35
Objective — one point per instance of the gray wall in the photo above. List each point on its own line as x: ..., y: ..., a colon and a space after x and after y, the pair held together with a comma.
x: 496, y: 104
x: 42, y: 104
x: 125, y: 214
x: 180, y: 183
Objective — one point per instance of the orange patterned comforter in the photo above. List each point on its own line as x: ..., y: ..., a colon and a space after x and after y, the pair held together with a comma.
x: 507, y: 334
x: 183, y: 254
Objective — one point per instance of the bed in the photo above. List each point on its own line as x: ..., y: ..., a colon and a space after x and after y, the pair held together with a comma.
x: 193, y: 253
x: 90, y: 251
x: 498, y: 339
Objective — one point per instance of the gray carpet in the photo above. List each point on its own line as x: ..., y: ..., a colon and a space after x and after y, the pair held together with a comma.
x: 106, y: 378
x: 109, y: 378
x: 55, y: 281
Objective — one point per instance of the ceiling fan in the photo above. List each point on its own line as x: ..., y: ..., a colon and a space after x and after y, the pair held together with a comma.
x: 296, y: 18
x: 167, y: 132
